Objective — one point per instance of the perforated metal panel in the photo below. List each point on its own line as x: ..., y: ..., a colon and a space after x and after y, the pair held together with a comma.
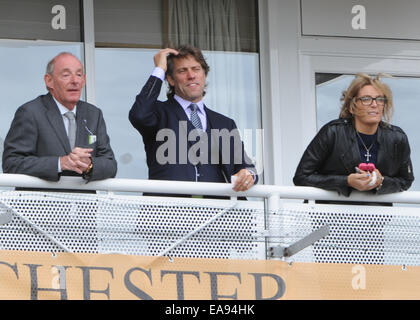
x: 358, y: 234
x: 95, y: 223
x: 203, y: 228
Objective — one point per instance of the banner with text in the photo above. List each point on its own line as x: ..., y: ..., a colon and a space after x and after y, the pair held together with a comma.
x: 40, y: 275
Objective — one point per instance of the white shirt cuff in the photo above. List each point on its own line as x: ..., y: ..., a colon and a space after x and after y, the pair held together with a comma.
x: 158, y: 72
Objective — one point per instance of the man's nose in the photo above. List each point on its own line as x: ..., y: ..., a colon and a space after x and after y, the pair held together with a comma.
x: 74, y: 78
x: 190, y: 74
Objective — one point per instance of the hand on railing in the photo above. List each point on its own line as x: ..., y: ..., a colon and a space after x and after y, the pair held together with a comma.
x: 242, y: 181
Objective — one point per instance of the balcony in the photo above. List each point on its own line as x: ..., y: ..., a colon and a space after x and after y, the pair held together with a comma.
x: 274, y: 225
x: 118, y: 219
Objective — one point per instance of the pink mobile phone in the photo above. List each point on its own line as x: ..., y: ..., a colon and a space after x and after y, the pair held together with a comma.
x: 367, y: 167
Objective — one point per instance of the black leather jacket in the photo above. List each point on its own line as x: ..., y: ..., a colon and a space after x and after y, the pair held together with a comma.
x: 334, y: 153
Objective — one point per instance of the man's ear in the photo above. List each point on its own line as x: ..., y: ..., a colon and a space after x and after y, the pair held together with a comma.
x: 48, y: 80
x: 170, y: 80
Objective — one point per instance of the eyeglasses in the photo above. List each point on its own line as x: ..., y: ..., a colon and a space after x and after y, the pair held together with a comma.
x: 368, y: 100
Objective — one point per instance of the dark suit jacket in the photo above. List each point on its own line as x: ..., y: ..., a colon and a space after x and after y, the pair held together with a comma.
x: 37, y: 138
x: 148, y: 116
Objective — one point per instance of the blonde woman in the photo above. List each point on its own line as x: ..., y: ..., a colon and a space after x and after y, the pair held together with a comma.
x: 362, y: 134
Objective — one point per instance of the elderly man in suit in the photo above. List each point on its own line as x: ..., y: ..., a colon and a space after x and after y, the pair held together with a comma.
x: 185, y: 69
x: 57, y: 134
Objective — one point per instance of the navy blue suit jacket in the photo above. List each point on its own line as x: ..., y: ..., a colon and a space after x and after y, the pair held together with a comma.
x: 149, y: 116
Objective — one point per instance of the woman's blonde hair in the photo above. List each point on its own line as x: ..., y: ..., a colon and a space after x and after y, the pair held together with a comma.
x: 349, y: 96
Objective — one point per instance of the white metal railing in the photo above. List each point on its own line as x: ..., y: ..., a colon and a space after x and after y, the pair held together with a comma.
x: 132, y: 224
x: 271, y: 192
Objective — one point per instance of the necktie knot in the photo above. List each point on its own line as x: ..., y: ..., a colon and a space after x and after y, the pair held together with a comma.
x: 70, y: 115
x: 193, y: 107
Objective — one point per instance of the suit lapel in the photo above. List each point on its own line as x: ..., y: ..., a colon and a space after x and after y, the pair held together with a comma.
x: 56, y: 120
x: 212, y: 121
x: 81, y: 132
x: 215, y: 145
x: 181, y: 115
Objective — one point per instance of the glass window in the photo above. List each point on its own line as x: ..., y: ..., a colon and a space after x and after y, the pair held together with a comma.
x: 225, y: 25
x: 40, y: 19
x: 117, y: 85
x: 126, y: 31
x: 128, y: 23
x: 23, y: 65
x: 405, y: 90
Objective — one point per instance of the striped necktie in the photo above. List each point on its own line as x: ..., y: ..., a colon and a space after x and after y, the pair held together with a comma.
x: 194, y: 116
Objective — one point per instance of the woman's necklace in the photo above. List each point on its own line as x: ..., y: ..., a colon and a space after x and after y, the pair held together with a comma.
x: 367, y: 155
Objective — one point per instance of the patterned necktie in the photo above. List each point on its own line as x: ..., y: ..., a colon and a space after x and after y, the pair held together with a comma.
x: 194, y: 116
x: 72, y: 128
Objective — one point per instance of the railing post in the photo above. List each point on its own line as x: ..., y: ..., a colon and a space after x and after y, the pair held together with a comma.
x: 273, y: 203
x: 273, y: 207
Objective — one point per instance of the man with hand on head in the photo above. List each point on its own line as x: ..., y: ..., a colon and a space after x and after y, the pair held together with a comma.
x: 57, y: 134
x: 185, y: 70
